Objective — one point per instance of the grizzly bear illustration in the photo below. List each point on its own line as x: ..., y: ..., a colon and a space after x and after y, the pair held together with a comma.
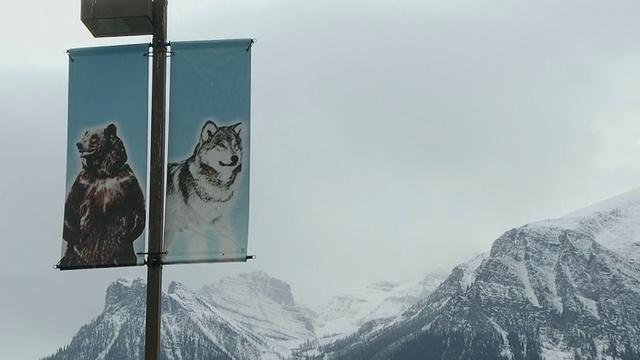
x: 105, y: 209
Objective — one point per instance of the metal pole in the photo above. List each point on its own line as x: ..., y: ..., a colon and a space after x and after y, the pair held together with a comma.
x: 156, y: 187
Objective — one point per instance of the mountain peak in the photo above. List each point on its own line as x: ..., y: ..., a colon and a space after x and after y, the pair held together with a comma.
x: 613, y: 223
x: 374, y: 301
x: 256, y: 282
x: 262, y: 303
x: 549, y: 289
x: 563, y: 288
x: 125, y: 288
x: 627, y: 200
x: 177, y: 288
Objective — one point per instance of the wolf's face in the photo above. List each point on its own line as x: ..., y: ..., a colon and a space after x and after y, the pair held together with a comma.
x: 220, y: 148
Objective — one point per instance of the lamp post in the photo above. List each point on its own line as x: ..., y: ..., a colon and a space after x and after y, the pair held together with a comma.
x: 106, y: 18
x: 156, y: 174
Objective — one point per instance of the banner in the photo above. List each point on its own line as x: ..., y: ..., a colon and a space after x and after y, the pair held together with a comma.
x: 207, y: 203
x: 104, y: 211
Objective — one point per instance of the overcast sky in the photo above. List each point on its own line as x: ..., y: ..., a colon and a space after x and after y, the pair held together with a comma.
x: 389, y: 139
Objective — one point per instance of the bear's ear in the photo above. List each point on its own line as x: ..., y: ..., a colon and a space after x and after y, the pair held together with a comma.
x: 208, y: 130
x: 237, y: 128
x: 110, y: 130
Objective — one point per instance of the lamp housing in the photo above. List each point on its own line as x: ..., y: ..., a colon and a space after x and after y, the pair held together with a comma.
x: 106, y: 18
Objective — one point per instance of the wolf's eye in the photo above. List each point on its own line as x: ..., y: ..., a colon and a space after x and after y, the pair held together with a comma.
x: 222, y: 146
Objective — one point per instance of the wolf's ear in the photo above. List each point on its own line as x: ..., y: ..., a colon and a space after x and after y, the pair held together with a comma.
x: 208, y: 130
x: 110, y: 130
x: 237, y: 128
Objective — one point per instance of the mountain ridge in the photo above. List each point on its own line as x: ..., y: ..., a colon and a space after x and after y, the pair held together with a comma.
x: 566, y: 288
x: 254, y: 307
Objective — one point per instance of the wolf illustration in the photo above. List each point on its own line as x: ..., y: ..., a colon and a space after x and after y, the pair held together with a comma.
x: 200, y: 191
x: 104, y: 212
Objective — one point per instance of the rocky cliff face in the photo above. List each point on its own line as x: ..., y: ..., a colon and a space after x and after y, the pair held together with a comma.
x: 263, y: 304
x: 191, y: 329
x: 248, y: 316
x: 560, y: 289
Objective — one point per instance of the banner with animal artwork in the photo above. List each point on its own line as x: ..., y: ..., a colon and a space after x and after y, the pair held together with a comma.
x: 104, y: 211
x: 207, y: 203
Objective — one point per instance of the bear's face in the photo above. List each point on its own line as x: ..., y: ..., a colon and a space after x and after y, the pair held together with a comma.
x: 102, y: 152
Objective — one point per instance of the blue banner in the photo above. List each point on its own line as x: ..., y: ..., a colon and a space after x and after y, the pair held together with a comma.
x: 105, y: 211
x: 207, y: 204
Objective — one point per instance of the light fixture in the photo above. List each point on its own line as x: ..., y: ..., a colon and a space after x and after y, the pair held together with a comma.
x: 105, y: 18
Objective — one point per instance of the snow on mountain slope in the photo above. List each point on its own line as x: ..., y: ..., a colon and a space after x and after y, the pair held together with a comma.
x: 346, y: 313
x: 191, y: 329
x: 569, y: 288
x: 186, y: 311
x: 247, y: 316
x: 614, y: 223
x: 566, y: 288
x: 263, y: 304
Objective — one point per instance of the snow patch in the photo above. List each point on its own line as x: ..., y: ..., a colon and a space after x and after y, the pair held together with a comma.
x: 555, y: 299
x: 630, y: 199
x: 469, y: 269
x: 346, y: 313
x: 551, y: 351
x: 590, y: 305
x: 505, y: 349
x: 523, y: 274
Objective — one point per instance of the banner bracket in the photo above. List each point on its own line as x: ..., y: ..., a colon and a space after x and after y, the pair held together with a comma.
x: 69, y: 55
x: 167, y: 54
x: 253, y: 41
x: 153, y: 258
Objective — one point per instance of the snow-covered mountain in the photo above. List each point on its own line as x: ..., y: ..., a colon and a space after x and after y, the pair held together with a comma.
x: 559, y: 289
x: 345, y: 313
x: 191, y: 329
x: 248, y: 316
x: 263, y: 304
